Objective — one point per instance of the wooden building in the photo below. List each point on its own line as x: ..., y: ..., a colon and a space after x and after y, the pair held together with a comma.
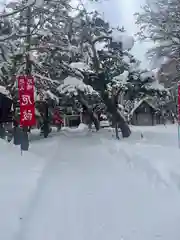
x: 145, y: 114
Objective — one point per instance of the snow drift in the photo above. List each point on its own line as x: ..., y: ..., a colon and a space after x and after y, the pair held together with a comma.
x: 81, y: 130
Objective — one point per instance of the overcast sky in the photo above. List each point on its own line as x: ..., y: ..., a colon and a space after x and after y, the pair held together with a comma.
x: 120, y: 12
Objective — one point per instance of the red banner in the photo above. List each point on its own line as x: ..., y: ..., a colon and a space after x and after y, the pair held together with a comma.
x: 26, y: 98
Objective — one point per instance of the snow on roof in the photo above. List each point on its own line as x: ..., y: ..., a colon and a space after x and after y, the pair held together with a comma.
x: 127, y: 41
x: 137, y: 104
x: 72, y: 84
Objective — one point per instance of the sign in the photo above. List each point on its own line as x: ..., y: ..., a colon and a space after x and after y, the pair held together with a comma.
x: 26, y: 98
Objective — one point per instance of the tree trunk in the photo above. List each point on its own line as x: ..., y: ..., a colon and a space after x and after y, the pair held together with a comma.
x: 117, y: 116
x: 46, y: 127
x: 2, y: 131
x: 93, y: 117
x: 116, y: 130
x: 122, y: 124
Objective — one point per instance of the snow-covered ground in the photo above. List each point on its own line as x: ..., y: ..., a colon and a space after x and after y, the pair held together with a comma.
x: 92, y: 187
x: 18, y: 180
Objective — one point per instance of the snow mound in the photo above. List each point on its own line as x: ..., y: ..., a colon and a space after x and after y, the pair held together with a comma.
x: 18, y: 179
x: 81, y: 130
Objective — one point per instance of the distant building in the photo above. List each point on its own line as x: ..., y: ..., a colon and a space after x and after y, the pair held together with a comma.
x: 145, y: 114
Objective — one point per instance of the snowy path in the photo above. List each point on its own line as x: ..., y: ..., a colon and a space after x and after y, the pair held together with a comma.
x: 90, y: 191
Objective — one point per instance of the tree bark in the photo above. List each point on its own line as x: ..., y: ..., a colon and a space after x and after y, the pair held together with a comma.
x: 93, y: 117
x: 117, y: 116
x: 111, y: 104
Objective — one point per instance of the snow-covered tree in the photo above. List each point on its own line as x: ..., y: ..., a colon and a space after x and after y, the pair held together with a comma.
x: 93, y: 31
x: 159, y: 21
x: 34, y: 24
x: 142, y: 84
x: 49, y: 42
x: 135, y: 85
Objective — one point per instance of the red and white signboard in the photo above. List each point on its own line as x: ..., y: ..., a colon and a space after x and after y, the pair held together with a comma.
x: 26, y: 98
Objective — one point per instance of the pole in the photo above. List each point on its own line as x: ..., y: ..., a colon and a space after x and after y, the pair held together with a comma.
x: 28, y: 42
x: 178, y: 110
x: 25, y: 138
x: 178, y: 135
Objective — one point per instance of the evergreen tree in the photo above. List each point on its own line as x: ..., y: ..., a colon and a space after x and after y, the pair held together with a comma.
x: 159, y: 23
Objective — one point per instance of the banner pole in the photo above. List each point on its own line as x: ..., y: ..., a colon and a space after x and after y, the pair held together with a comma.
x: 178, y: 110
x: 178, y: 135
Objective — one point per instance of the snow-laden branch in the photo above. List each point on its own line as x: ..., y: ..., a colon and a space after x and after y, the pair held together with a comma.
x: 4, y: 15
x: 72, y: 86
x: 30, y: 3
x: 160, y: 22
x: 7, y: 37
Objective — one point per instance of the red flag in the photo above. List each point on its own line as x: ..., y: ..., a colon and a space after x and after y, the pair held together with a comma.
x: 26, y: 98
